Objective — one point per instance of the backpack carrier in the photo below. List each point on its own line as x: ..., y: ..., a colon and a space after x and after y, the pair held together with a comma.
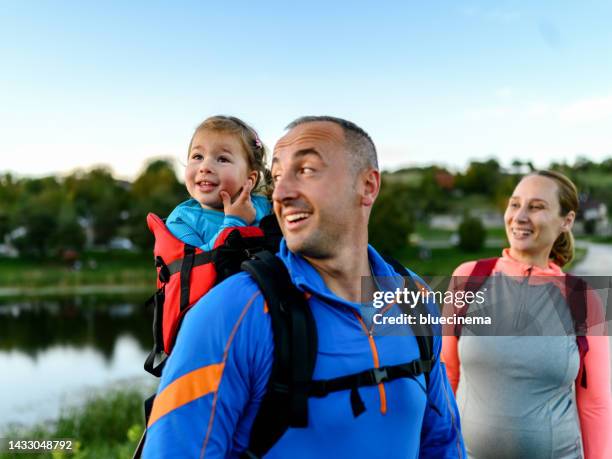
x: 185, y: 273
x: 576, y: 297
x: 285, y: 403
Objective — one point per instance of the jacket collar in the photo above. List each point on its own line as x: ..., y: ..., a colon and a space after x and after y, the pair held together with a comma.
x: 514, y: 267
x: 307, y: 278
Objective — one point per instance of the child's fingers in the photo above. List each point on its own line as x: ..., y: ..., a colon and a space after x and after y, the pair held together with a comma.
x: 245, y: 194
x: 227, y: 200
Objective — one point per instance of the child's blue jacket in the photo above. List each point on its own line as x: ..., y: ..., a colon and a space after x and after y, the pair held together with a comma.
x: 200, y: 227
x: 216, y: 377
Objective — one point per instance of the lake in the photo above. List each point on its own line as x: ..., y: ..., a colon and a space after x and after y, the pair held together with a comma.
x: 54, y: 351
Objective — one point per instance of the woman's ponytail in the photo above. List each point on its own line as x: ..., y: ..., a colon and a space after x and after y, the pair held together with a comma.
x: 563, y: 249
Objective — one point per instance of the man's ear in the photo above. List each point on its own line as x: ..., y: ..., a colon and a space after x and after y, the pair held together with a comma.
x: 369, y: 186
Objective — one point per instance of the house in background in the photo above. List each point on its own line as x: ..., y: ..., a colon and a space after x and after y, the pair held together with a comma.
x: 592, y: 217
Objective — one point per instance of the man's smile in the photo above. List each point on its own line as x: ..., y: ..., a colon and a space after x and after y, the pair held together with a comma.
x: 296, y: 219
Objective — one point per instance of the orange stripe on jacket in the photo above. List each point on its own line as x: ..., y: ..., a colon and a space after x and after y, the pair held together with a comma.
x: 225, y: 356
x: 185, y: 389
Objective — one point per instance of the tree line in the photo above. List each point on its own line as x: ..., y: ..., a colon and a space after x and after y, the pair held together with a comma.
x: 46, y: 216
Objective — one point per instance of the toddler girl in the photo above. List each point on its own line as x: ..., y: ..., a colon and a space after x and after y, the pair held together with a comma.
x: 226, y: 162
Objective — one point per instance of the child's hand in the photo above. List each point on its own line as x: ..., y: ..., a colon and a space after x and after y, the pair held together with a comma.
x: 243, y: 206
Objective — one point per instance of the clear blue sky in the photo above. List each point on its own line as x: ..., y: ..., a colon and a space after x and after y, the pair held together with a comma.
x: 86, y: 83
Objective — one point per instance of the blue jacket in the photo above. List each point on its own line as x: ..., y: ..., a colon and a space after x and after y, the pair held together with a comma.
x: 217, y: 374
x: 200, y: 227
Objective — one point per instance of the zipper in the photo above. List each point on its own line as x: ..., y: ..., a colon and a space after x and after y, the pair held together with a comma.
x: 381, y: 386
x: 521, y: 304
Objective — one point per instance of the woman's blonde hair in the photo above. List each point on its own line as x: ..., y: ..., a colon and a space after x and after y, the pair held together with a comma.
x: 252, y: 145
x: 563, y: 249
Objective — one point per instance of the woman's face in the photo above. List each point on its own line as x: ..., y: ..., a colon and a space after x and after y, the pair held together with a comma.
x: 532, y: 218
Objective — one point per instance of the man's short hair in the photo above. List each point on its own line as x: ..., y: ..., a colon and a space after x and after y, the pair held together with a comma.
x: 358, y: 143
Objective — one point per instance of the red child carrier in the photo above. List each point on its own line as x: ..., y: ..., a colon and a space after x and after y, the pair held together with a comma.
x: 185, y: 273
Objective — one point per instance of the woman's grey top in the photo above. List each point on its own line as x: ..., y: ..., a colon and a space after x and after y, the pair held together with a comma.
x: 515, y: 393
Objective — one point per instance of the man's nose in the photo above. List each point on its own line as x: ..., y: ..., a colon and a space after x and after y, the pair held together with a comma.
x: 284, y: 188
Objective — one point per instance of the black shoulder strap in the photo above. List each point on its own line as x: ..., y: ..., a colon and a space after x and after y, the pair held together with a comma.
x: 295, y: 347
x: 295, y: 341
x: 272, y: 232
x: 423, y: 333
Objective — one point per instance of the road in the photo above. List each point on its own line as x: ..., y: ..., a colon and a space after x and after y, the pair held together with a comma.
x: 597, y: 262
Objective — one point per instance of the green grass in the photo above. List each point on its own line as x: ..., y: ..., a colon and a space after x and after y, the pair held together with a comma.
x: 579, y: 255
x: 119, y: 268
x: 597, y: 239
x: 98, y: 268
x: 107, y: 426
x: 496, y: 233
x: 426, y: 233
x: 443, y: 261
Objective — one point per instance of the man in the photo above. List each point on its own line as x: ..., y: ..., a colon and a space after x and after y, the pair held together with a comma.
x: 326, y: 180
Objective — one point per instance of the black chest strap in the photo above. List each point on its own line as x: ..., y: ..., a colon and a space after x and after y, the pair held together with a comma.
x: 371, y: 377
x: 285, y: 403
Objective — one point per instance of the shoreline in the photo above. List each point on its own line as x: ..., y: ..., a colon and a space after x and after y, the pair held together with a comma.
x: 92, y: 289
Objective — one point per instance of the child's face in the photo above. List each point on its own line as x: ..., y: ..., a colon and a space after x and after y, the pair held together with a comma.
x: 217, y: 161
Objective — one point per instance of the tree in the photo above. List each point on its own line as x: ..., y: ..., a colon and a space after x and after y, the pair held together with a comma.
x: 156, y: 190
x: 480, y: 177
x: 100, y: 200
x: 68, y: 234
x: 9, y: 191
x: 504, y: 190
x: 36, y: 211
x: 434, y: 191
x: 472, y: 234
x: 391, y: 221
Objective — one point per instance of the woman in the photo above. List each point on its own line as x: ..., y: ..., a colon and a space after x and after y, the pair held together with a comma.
x: 516, y: 393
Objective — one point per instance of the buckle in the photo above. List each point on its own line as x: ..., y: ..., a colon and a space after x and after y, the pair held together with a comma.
x: 416, y: 367
x: 380, y: 375
x: 250, y: 252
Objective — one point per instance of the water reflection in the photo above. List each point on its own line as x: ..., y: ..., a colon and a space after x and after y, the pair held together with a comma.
x: 35, y: 325
x: 53, y: 351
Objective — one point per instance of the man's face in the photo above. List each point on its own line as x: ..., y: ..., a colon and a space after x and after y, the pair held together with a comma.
x: 314, y: 197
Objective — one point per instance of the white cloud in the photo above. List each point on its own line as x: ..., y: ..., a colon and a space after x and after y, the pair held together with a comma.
x: 578, y: 111
x: 505, y: 93
x: 587, y: 110
x: 492, y: 15
x: 537, y: 109
x: 494, y: 112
